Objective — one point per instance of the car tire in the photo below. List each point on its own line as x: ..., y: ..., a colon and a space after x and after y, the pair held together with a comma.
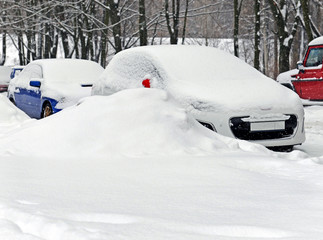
x: 46, y: 110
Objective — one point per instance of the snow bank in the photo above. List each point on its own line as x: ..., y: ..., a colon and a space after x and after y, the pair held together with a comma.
x: 135, y: 166
x: 131, y: 122
x: 10, y: 116
x: 314, y: 131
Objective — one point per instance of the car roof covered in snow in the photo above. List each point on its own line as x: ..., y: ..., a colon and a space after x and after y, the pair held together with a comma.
x: 193, y: 74
x: 316, y: 41
x: 69, y: 69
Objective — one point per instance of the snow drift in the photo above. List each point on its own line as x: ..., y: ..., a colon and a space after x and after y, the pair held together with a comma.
x: 131, y: 122
x: 10, y: 116
x: 78, y: 176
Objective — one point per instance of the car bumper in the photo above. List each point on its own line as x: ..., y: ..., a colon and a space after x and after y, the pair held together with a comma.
x: 268, y: 131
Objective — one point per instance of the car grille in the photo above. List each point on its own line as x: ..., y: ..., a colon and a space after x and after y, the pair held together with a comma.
x: 242, y: 130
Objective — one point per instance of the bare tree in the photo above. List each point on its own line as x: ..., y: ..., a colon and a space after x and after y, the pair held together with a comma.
x: 142, y: 23
x: 237, y: 5
x: 285, y: 33
x: 310, y: 28
x: 257, y: 34
x: 173, y: 29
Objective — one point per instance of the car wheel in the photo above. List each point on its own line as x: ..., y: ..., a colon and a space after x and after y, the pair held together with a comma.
x: 47, y: 110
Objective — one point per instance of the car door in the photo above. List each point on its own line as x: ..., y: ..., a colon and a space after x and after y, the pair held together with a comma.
x: 21, y: 84
x: 33, y: 94
x: 27, y: 97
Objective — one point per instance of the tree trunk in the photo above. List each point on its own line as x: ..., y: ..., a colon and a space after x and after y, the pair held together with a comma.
x: 21, y: 50
x: 285, y: 38
x: 142, y: 23
x: 237, y: 10
x: 114, y: 13
x: 173, y: 29
x: 276, y: 60
x: 307, y: 21
x: 104, y: 41
x: 185, y: 22
x: 257, y: 35
x: 4, y: 48
x: 47, y: 42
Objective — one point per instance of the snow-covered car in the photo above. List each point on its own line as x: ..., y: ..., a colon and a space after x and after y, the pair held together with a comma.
x: 221, y: 91
x: 47, y: 86
x: 4, y: 78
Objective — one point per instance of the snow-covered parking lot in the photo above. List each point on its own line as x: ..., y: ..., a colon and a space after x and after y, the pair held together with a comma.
x: 134, y: 165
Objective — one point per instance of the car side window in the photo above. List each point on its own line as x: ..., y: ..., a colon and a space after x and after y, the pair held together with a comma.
x: 23, y: 77
x: 315, y: 57
x: 36, y: 71
x: 29, y: 72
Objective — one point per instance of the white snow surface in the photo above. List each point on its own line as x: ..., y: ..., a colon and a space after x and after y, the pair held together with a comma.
x: 316, y: 41
x: 95, y: 126
x: 134, y: 165
x: 195, y: 74
x: 286, y: 77
x: 10, y: 116
x: 5, y: 74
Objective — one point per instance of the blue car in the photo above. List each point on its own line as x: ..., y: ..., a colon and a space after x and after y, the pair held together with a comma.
x: 47, y: 86
x: 15, y: 70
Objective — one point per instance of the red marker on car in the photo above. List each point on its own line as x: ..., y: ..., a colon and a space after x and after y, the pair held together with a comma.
x: 146, y: 83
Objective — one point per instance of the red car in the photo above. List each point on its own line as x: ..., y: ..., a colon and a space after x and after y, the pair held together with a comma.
x: 308, y: 83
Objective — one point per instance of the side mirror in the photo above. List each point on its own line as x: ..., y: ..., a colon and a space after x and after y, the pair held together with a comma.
x: 300, y: 65
x: 35, y: 83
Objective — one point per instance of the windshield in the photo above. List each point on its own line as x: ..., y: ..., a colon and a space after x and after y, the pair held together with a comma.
x: 314, y: 57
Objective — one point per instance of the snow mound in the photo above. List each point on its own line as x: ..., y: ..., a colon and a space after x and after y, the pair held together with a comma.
x: 133, y: 122
x: 286, y: 77
x: 9, y: 114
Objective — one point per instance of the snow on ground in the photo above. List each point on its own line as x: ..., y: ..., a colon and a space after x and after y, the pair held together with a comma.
x: 314, y: 131
x: 134, y: 165
x: 10, y: 116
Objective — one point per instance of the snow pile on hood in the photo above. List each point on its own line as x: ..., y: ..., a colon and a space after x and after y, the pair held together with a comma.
x: 203, y: 73
x: 286, y: 77
x: 9, y: 114
x: 131, y: 122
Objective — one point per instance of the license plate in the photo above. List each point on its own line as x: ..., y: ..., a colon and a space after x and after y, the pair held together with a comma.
x: 267, y: 126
